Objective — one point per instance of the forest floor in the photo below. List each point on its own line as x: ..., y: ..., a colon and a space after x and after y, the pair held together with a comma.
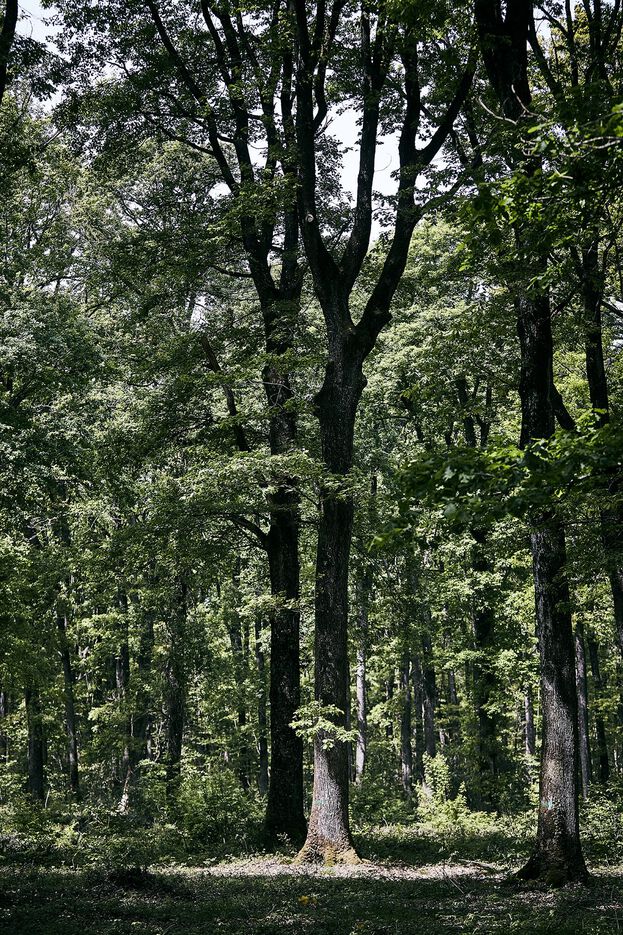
x: 410, y: 883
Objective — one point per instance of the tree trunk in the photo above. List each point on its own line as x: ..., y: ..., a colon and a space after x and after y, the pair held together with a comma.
x: 280, y: 309
x: 36, y: 745
x: 70, y: 709
x: 240, y: 666
x: 390, y: 683
x: 580, y: 678
x: 611, y: 520
x: 175, y: 694
x: 262, y: 714
x: 122, y: 682
x: 328, y: 834
x: 361, y: 688
x: 4, y: 712
x: 529, y: 726
x: 603, y: 769
x: 406, y: 753
x: 429, y: 684
x: 284, y: 812
x: 418, y: 712
x: 484, y: 679
x: 557, y: 857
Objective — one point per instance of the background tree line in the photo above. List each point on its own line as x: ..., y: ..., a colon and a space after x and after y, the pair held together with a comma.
x: 293, y: 514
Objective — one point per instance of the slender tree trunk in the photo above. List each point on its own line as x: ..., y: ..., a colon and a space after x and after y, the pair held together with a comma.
x: 484, y: 679
x: 262, y: 714
x: 418, y: 713
x: 175, y: 694
x: 4, y: 712
x: 361, y: 687
x: 406, y: 753
x: 141, y: 720
x: 580, y: 678
x: 529, y: 726
x: 70, y: 708
x: 390, y: 683
x: 603, y: 765
x: 36, y: 745
x: 122, y: 682
x: 611, y: 520
x: 429, y: 684
x: 237, y: 648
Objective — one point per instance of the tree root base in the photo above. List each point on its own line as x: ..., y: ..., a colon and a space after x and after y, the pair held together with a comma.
x: 329, y: 855
x: 540, y: 869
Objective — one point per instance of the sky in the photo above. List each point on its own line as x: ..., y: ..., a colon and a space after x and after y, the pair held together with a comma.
x: 33, y: 24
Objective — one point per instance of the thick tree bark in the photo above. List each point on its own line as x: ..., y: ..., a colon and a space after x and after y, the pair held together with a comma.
x: 70, y: 708
x: 582, y: 690
x: 36, y: 745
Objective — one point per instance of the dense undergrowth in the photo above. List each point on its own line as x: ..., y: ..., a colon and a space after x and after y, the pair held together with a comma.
x: 214, y: 821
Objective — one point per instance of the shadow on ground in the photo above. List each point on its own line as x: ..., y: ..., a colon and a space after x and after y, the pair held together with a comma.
x: 262, y: 896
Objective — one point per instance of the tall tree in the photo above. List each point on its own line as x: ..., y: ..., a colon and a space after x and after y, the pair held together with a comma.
x: 503, y: 39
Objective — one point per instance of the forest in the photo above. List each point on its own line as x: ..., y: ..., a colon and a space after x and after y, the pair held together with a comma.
x: 311, y: 466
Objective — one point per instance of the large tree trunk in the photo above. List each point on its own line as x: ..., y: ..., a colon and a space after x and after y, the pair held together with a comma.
x: 328, y: 834
x: 70, y: 708
x: 284, y: 812
x: 557, y: 857
x: 284, y: 807
x: 580, y: 678
x: 36, y: 745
